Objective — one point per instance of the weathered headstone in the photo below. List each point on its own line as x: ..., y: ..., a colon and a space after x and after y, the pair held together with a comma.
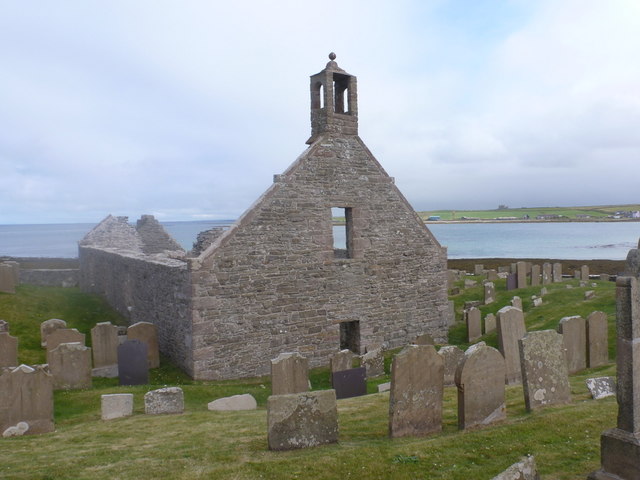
x: 547, y: 273
x: 478, y: 269
x: 473, y: 318
x: 48, y: 327
x: 26, y: 395
x: 302, y: 420
x: 574, y: 336
x: 469, y: 283
x: 489, y: 323
x: 481, y: 392
x: 350, y: 383
x: 511, y: 328
x: 70, y: 366
x: 512, y: 281
x: 545, y: 379
x: 415, y: 401
x: 589, y: 294
x: 373, y: 361
x: 424, y: 339
x: 451, y: 313
x: 535, y: 275
x: 584, y: 273
x: 537, y: 301
x: 168, y: 400
x: 104, y: 342
x: 521, y: 270
x: 148, y: 333
x: 525, y: 469
x: 451, y: 358
x: 489, y: 293
x: 557, y: 272
x: 597, y: 339
x: 516, y: 302
x: 8, y: 350
x: 289, y: 374
x: 604, y: 277
x: 451, y: 279
x: 7, y: 279
x: 342, y: 360
x: 576, y: 275
x: 245, y: 401
x: 601, y: 387
x: 384, y: 387
x: 133, y: 367
x: 492, y: 275
x: 620, y: 447
x: 64, y: 335
x: 116, y: 405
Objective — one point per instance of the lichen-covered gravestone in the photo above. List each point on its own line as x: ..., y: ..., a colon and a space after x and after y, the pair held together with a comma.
x: 557, y: 272
x: 489, y: 293
x: 474, y: 324
x: 104, y: 341
x: 545, y: 379
x: 289, y: 374
x: 415, y: 401
x: 597, y: 339
x: 451, y: 357
x: 168, y: 400
x: 574, y: 336
x: 48, y: 327
x: 70, y: 366
x: 342, y: 360
x: 511, y: 328
x: 535, y: 275
x: 547, y: 273
x: 525, y: 469
x: 116, y: 405
x: 481, y: 392
x: 373, y: 361
x: 489, y: 323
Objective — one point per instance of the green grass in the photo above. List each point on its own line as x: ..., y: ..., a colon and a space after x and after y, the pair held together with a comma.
x: 232, y: 445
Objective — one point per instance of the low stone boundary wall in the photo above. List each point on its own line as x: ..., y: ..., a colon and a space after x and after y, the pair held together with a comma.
x: 50, y: 277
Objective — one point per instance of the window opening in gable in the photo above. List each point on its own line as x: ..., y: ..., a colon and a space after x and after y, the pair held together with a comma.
x: 342, y: 232
x: 350, y: 336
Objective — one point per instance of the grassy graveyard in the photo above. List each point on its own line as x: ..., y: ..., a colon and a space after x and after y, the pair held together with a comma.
x: 200, y: 444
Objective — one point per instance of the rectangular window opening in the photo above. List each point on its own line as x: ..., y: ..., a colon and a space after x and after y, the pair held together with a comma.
x: 350, y: 336
x: 342, y: 232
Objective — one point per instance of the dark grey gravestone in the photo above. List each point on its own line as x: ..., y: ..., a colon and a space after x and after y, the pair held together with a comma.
x: 133, y: 367
x: 350, y: 383
x: 512, y: 281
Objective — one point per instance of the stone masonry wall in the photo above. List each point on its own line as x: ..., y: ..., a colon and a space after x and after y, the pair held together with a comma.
x: 67, y: 277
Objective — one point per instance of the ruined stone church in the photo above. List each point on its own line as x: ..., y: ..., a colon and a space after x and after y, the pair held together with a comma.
x: 276, y: 280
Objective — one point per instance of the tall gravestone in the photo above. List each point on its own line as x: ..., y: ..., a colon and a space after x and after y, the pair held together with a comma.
x: 512, y: 281
x: 478, y: 269
x: 8, y: 350
x: 545, y: 379
x: 47, y: 327
x: 489, y: 293
x: 574, y: 337
x: 104, y: 342
x: 557, y: 272
x: 584, y: 273
x: 474, y: 324
x: 415, y: 400
x: 451, y: 313
x: 535, y: 275
x: 451, y: 358
x: 620, y: 447
x: 133, y: 366
x: 26, y: 396
x: 481, y: 392
x: 7, y: 279
x: 289, y: 374
x: 597, y: 339
x: 521, y: 270
x: 148, y: 333
x: 547, y: 273
x: 511, y: 328
x: 70, y: 366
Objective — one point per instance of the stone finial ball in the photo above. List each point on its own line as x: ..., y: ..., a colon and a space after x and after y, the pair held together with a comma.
x: 332, y: 56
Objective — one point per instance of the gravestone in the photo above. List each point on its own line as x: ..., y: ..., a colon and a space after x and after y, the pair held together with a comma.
x: 547, y: 273
x: 26, y: 395
x: 469, y: 283
x: 451, y: 279
x: 584, y: 273
x: 511, y: 328
x: 620, y: 447
x: 168, y: 400
x: 48, y: 327
x: 521, y: 270
x: 415, y: 401
x: 116, y: 405
x: 384, y: 387
x: 478, y: 269
x: 489, y: 293
x: 537, y: 301
x: 574, y: 337
x: 451, y: 358
x: 70, y: 366
x: 557, y: 273
x: 133, y: 367
x: 504, y: 269
x: 589, y: 294
x: 350, y: 383
x: 601, y: 387
x: 342, y: 360
x: 302, y: 420
x: 7, y: 279
x: 535, y: 275
x: 474, y: 324
x: 289, y: 374
x: 492, y: 275
x: 373, y: 361
x: 481, y: 392
x: 514, y: 267
x: 604, y: 277
x: 489, y: 323
x: 516, y: 302
x: 543, y: 291
x: 424, y: 339
x: 597, y: 340
x: 4, y: 326
x: 234, y: 403
x: 576, y: 275
x: 8, y: 350
x: 525, y: 469
x: 63, y: 335
x: 104, y: 342
x: 16, y: 270
x: 451, y: 313
x: 148, y: 333
x: 512, y: 281
x: 545, y: 379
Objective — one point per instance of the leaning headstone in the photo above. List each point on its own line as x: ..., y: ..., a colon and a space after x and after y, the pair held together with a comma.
x: 342, y: 360
x: 424, y: 339
x: 516, y: 302
x: 116, y: 405
x: 481, y: 393
x: 70, y: 366
x: 584, y: 273
x: 8, y: 350
x: 535, y: 275
x: 245, y: 401
x: 4, y: 326
x: 511, y: 328
x: 104, y: 342
x: 350, y: 383
x: 525, y: 469
x: 451, y: 357
x: 557, y: 272
x: 601, y: 387
x: 168, y: 400
x: 48, y: 327
x: 373, y: 361
x: 7, y: 279
x: 620, y: 447
x: 148, y: 333
x: 26, y: 395
x: 302, y: 420
x: 547, y: 273
x: 289, y: 374
x: 473, y: 318
x: 133, y: 367
x: 521, y: 270
x: 574, y: 336
x: 415, y: 401
x: 489, y: 323
x: 597, y: 339
x: 545, y: 379
x: 489, y: 293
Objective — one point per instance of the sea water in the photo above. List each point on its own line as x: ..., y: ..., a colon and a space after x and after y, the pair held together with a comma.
x: 570, y: 240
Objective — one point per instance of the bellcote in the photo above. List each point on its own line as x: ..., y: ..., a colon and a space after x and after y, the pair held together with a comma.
x: 334, y: 102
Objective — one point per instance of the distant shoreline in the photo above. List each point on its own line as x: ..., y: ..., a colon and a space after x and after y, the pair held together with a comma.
x: 534, y: 220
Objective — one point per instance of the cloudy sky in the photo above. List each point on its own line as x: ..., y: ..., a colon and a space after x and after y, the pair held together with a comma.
x: 185, y: 109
